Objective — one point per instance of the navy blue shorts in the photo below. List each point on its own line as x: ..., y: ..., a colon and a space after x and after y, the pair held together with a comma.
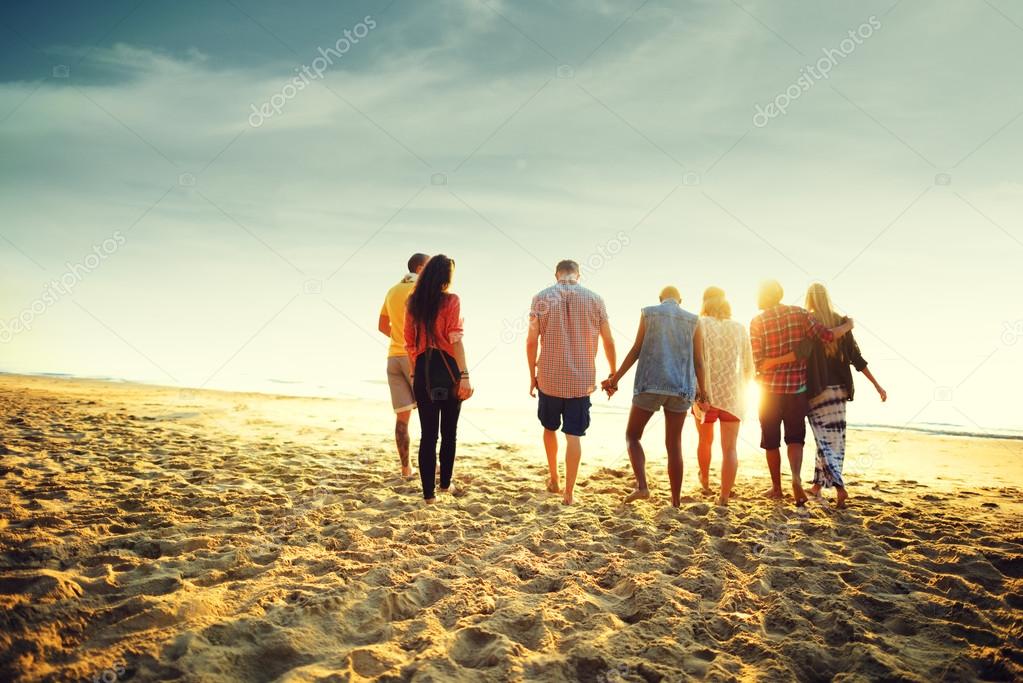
x: 575, y: 412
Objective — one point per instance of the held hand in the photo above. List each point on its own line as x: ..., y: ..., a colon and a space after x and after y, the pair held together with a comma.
x: 465, y: 389
x: 532, y: 386
x: 609, y: 386
x: 701, y: 401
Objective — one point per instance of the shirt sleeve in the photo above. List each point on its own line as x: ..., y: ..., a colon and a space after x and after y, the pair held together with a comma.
x: 855, y: 357
x: 601, y: 312
x: 756, y: 338
x: 453, y: 324
x: 538, y: 312
x: 815, y: 329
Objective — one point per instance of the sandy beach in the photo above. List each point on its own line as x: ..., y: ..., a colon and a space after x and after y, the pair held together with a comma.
x: 153, y: 534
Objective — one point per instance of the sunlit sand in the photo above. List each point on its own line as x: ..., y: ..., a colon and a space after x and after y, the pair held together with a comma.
x: 200, y: 536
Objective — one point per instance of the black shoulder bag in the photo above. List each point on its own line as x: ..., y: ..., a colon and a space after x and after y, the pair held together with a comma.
x: 440, y: 378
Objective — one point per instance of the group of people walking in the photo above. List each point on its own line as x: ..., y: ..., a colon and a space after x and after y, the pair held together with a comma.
x: 686, y: 363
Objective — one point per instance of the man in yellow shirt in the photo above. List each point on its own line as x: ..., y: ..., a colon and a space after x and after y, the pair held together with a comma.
x: 399, y: 377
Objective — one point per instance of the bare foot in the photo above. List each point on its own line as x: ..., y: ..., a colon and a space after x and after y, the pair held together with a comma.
x: 552, y: 486
x: 815, y: 490
x: 444, y: 490
x: 406, y: 472
x: 430, y: 501
x: 773, y: 494
x: 723, y: 501
x: 798, y: 494
x: 840, y: 497
x: 638, y: 494
x: 567, y: 500
x: 705, y: 483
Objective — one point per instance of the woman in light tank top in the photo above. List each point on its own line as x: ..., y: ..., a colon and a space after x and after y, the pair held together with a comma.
x: 665, y: 378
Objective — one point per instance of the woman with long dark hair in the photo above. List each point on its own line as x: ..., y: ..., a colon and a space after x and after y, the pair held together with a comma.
x: 433, y: 340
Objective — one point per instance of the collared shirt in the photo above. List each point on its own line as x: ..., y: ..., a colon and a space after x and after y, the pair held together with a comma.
x: 394, y: 306
x: 568, y: 317
x: 776, y: 332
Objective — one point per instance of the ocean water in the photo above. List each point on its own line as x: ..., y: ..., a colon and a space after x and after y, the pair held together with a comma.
x: 511, y: 398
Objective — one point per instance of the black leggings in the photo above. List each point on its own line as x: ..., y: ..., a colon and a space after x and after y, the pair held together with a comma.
x: 435, y: 417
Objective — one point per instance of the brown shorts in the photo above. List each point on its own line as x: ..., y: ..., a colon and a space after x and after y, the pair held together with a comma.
x: 782, y: 409
x: 399, y: 379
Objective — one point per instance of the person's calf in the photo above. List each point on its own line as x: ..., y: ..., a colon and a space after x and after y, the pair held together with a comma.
x: 550, y: 445
x: 402, y: 441
x: 637, y: 458
x: 774, y: 468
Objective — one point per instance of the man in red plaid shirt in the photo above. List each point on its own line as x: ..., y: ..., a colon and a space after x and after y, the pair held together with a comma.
x: 777, y: 331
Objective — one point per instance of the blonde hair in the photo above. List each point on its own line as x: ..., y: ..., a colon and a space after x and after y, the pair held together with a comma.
x: 818, y: 303
x: 715, y: 305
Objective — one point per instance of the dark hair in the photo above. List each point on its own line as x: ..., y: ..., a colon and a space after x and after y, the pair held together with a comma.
x: 429, y: 294
x: 417, y: 261
x: 566, y: 266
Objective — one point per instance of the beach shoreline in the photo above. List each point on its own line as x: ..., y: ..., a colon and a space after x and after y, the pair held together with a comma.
x: 207, y: 535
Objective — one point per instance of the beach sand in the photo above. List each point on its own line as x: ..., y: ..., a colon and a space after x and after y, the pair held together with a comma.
x: 153, y: 534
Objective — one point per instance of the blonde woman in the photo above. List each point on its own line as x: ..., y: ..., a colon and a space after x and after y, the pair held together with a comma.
x: 829, y: 384
x: 724, y: 369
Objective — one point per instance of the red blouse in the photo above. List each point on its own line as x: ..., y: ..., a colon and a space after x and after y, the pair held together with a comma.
x: 447, y: 329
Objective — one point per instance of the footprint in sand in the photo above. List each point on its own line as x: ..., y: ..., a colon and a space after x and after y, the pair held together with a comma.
x: 43, y: 585
x: 477, y: 648
x: 369, y: 663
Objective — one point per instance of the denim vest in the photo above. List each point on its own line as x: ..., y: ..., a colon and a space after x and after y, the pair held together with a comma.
x: 666, y: 359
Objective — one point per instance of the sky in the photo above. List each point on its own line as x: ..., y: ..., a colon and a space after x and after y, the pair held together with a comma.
x: 176, y: 209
